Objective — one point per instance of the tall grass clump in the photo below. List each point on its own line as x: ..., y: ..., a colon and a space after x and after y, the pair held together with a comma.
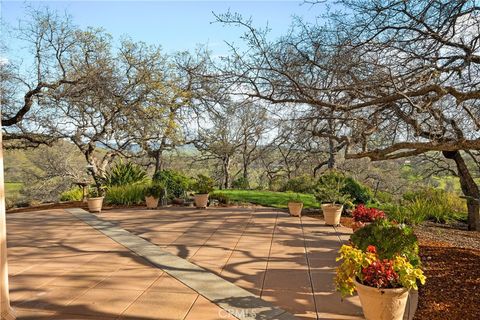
x: 122, y: 174
x: 126, y: 195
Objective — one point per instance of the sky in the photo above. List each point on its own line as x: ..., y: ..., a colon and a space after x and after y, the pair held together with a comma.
x: 175, y: 25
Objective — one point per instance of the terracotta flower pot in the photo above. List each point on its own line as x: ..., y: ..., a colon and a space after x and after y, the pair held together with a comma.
x: 382, y: 304
x: 201, y: 200
x: 151, y: 202
x: 295, y: 208
x: 332, y: 213
x: 95, y: 204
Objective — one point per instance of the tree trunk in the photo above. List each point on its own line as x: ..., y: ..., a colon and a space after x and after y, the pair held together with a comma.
x: 158, y: 160
x: 332, y: 163
x: 226, y: 173
x: 469, y: 188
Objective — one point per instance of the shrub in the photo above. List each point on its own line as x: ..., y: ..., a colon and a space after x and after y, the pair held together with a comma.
x: 350, y: 188
x: 155, y: 190
x: 401, y: 214
x: 241, y: 184
x: 389, y: 239
x: 74, y: 194
x: 358, y: 192
x: 435, y: 204
x: 364, y: 214
x: 329, y: 188
x: 175, y: 183
x: 221, y: 198
x: 203, y: 184
x: 125, y: 195
x: 301, y: 184
x: 122, y: 174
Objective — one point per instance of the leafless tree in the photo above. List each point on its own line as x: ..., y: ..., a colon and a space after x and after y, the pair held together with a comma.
x: 401, y: 77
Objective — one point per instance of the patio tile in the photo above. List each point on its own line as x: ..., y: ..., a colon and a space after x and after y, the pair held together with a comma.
x: 130, y: 278
x: 295, y: 280
x: 167, y: 283
x: 52, y: 299
x: 301, y: 304
x: 323, y: 281
x: 161, y: 305
x: 332, y: 302
x: 206, y: 310
x: 106, y: 302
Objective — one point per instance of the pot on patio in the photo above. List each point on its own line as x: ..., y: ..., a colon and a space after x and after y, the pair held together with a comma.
x: 151, y: 202
x: 295, y: 208
x: 382, y: 304
x: 201, y: 200
x: 332, y: 213
x: 412, y: 304
x: 95, y: 204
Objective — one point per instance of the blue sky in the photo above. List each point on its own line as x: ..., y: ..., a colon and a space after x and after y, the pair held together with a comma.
x: 176, y: 25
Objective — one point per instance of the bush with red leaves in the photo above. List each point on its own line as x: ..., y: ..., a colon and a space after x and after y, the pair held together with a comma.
x: 364, y: 214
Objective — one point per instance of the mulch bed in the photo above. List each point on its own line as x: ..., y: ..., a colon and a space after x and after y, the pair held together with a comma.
x: 451, y: 261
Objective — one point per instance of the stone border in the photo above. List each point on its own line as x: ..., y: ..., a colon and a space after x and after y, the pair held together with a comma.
x: 233, y: 299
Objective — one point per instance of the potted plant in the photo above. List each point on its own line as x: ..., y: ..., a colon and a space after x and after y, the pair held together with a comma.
x: 95, y: 199
x: 383, y: 266
x: 153, y: 193
x: 364, y: 216
x: 295, y: 205
x: 329, y: 191
x: 202, y: 186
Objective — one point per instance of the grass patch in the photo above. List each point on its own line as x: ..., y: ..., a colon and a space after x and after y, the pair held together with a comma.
x: 267, y: 198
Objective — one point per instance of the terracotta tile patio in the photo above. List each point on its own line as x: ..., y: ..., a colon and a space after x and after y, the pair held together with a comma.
x: 62, y: 268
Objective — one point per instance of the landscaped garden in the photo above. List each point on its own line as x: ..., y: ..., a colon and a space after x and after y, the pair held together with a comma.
x: 328, y: 130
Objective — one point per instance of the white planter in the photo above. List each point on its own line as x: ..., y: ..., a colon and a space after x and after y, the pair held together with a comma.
x: 95, y: 204
x: 201, y: 200
x: 295, y: 208
x: 332, y: 213
x: 382, y: 304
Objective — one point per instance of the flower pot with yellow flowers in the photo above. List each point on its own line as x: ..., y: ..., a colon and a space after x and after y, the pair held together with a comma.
x: 383, y: 272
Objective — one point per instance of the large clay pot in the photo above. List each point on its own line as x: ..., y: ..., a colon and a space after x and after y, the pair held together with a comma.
x: 382, y: 304
x: 95, y: 204
x: 151, y: 202
x: 201, y: 200
x: 295, y: 208
x: 332, y: 213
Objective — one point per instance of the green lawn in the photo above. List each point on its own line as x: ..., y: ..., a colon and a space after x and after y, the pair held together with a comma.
x: 268, y: 198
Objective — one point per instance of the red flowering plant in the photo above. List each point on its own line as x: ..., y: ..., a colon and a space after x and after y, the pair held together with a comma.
x: 364, y: 214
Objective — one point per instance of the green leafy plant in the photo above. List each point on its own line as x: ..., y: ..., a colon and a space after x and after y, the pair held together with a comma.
x: 294, y: 197
x: 96, y: 191
x: 366, y: 267
x: 221, y: 198
x: 330, y: 189
x: 74, y: 194
x: 390, y: 239
x: 203, y: 184
x: 175, y: 183
x: 122, y: 174
x: 125, y: 195
x: 155, y: 190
